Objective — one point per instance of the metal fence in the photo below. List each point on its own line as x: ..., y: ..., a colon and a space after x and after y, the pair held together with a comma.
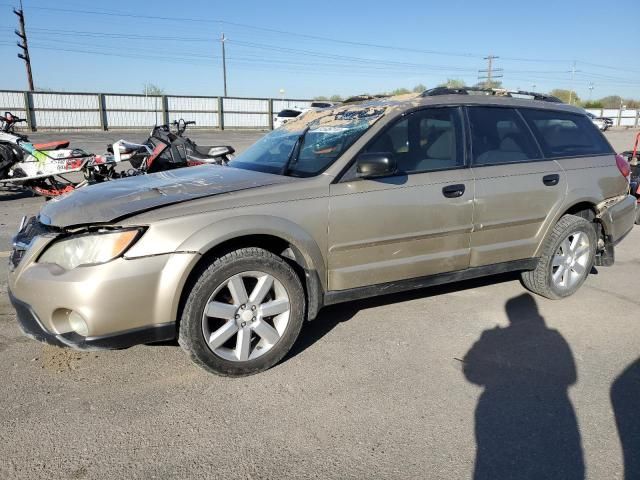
x: 621, y: 117
x: 108, y: 111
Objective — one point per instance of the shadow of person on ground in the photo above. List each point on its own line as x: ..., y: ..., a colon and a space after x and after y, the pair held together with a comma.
x: 625, y: 399
x: 525, y: 425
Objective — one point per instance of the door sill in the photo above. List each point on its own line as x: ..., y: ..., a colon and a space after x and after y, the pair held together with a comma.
x: 339, y: 296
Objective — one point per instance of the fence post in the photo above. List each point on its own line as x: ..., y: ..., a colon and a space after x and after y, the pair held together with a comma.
x: 165, y: 110
x: 271, y: 114
x: 637, y: 118
x: 221, y: 113
x: 620, y: 116
x: 102, y: 112
x: 28, y: 101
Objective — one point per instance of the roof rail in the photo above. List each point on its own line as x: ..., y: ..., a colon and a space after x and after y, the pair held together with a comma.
x: 498, y: 92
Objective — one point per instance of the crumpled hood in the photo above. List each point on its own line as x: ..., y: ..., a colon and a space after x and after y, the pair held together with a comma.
x: 116, y: 199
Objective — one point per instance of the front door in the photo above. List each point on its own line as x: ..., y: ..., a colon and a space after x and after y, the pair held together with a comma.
x: 414, y: 223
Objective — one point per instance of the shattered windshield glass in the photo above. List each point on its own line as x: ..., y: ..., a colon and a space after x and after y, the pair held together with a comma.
x: 308, y: 146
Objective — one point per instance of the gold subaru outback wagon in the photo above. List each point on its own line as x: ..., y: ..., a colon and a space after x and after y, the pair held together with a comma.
x: 342, y: 203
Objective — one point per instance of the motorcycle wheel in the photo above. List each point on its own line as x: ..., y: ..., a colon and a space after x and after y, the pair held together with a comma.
x: 50, y: 187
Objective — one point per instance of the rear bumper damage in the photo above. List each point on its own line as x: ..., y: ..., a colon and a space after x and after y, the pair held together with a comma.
x: 616, y: 216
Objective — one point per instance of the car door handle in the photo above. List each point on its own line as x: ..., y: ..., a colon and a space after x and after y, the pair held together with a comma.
x: 551, y: 180
x: 453, y: 191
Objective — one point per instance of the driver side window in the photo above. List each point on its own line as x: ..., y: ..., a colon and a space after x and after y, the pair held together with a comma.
x: 425, y: 140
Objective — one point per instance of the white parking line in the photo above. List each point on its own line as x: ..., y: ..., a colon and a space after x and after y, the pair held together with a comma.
x: 4, y: 254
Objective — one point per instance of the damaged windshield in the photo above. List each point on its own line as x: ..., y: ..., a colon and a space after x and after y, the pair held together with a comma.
x: 305, y: 151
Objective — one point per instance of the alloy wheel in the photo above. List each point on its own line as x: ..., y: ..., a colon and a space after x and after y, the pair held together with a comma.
x: 239, y: 326
x: 570, y: 262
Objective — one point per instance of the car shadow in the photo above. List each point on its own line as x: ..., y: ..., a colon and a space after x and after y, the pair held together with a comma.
x: 331, y: 316
x: 525, y: 424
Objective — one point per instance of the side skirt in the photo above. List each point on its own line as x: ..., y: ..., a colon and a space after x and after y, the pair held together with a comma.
x: 338, y: 296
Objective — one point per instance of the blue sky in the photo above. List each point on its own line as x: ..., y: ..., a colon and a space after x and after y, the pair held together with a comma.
x: 322, y: 48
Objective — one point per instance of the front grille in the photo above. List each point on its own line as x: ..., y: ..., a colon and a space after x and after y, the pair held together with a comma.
x: 22, y: 240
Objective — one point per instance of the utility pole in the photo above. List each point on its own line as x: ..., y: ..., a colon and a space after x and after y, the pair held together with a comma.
x: 490, y: 73
x: 591, y: 86
x: 224, y: 64
x: 24, y: 45
x: 573, y: 77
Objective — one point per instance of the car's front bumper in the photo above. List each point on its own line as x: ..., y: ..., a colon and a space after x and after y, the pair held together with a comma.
x: 123, y: 302
x: 32, y: 327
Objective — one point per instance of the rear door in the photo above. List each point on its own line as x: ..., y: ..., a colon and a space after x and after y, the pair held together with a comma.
x: 517, y: 190
x: 411, y: 224
x: 582, y: 152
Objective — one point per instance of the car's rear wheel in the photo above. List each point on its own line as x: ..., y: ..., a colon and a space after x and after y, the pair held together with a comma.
x: 243, y: 314
x: 567, y: 258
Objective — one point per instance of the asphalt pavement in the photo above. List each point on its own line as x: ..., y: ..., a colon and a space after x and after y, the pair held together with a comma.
x: 418, y: 385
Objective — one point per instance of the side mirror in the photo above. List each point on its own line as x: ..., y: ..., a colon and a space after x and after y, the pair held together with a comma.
x: 371, y: 165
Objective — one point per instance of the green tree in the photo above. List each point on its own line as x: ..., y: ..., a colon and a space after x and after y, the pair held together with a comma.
x: 612, y: 101
x: 419, y: 88
x: 567, y: 96
x: 151, y: 89
x: 487, y: 84
x: 320, y: 97
x: 453, y: 83
x: 592, y: 104
x: 335, y: 98
x: 399, y: 91
x: 631, y: 103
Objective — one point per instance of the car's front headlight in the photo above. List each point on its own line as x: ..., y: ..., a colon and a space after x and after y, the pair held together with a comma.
x: 90, y: 248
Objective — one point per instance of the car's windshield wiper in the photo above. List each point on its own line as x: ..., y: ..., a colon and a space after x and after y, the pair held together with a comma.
x: 293, y: 157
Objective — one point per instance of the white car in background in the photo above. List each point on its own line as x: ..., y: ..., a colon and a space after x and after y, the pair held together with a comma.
x: 287, y: 115
x: 603, y: 123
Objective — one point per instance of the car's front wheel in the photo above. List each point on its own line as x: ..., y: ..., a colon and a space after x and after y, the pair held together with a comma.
x: 567, y: 257
x: 243, y: 314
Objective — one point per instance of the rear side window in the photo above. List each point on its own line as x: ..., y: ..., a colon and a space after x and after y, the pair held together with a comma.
x: 499, y: 135
x: 563, y: 134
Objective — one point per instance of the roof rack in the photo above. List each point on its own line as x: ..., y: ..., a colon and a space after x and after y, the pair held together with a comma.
x: 498, y: 92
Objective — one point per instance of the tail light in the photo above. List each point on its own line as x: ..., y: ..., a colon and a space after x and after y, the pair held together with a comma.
x: 623, y: 166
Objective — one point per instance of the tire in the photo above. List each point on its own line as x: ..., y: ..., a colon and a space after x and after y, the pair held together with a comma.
x: 555, y: 281
x: 244, y: 294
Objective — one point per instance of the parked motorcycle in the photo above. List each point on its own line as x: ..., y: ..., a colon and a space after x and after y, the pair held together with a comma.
x: 39, y: 167
x: 165, y: 149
